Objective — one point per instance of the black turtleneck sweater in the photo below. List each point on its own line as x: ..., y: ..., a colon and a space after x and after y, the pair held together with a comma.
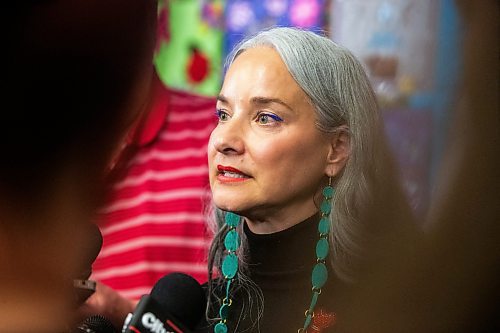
x: 281, y: 265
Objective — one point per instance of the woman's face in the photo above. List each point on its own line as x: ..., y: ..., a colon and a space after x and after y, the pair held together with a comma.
x: 267, y: 158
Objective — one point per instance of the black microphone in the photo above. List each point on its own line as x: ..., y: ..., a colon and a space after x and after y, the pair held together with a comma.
x: 175, y: 305
x: 90, y: 246
x: 95, y: 324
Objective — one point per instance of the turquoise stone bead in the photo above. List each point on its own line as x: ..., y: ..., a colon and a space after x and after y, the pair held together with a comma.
x: 322, y: 248
x: 224, y: 310
x: 220, y: 328
x: 324, y: 225
x: 326, y: 207
x: 314, y: 300
x: 232, y: 240
x: 230, y: 266
x: 308, y: 321
x: 228, y: 286
x: 232, y: 219
x: 328, y: 191
x: 319, y: 275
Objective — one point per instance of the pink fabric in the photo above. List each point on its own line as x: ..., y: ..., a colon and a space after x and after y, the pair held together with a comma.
x: 153, y: 223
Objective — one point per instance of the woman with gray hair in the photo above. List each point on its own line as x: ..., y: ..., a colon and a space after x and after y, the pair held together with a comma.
x: 298, y: 171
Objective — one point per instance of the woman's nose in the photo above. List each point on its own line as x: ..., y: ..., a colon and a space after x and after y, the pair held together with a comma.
x: 228, y: 138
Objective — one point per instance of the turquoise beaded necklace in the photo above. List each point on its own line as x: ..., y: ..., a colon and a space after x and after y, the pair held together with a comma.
x: 229, y: 267
x: 319, y: 273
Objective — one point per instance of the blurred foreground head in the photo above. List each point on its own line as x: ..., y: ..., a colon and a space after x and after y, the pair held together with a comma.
x: 76, y: 75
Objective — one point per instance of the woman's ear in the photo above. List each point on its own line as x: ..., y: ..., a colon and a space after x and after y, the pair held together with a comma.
x: 340, y: 149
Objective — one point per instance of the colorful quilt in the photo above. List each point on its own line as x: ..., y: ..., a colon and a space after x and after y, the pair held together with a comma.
x: 247, y: 17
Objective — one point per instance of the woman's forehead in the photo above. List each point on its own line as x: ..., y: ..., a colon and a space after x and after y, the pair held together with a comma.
x: 261, y: 72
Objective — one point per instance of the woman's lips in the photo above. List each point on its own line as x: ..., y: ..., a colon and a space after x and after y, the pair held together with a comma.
x: 229, y: 174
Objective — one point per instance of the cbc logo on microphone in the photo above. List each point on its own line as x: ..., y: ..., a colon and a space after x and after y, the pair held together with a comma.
x: 152, y: 323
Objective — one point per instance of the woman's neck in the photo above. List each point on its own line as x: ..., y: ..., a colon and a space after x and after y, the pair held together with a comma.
x: 265, y: 221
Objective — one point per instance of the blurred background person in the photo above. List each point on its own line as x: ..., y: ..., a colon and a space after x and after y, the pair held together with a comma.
x: 152, y: 221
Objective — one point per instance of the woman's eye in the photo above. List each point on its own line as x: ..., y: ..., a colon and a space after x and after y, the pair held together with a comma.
x: 222, y: 115
x: 266, y: 118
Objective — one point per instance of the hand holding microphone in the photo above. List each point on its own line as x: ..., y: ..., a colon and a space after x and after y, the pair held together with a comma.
x: 176, y: 302
x: 107, y: 302
x: 175, y: 305
x: 96, y: 302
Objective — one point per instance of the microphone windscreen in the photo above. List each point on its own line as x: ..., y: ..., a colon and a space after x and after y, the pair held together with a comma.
x: 96, y: 324
x: 182, y: 296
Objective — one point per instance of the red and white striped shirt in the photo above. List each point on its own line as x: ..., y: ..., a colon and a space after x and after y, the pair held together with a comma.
x: 153, y: 223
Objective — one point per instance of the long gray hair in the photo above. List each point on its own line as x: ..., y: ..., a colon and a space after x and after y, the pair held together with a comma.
x: 341, y: 93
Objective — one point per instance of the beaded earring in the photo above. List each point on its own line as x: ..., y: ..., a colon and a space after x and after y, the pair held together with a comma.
x: 320, y: 272
x: 229, y: 267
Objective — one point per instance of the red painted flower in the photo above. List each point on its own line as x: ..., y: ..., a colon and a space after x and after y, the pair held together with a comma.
x: 197, y: 67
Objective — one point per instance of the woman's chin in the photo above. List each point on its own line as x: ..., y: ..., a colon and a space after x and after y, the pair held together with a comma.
x: 228, y: 207
x: 231, y: 205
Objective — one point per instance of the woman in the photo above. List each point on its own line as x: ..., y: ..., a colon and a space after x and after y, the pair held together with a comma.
x: 296, y: 166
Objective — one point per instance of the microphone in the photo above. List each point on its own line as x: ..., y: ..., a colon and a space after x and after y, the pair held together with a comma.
x: 175, y: 305
x: 91, y: 246
x: 95, y: 324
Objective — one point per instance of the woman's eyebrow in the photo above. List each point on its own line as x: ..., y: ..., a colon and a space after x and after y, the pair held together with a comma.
x: 269, y: 100
x: 257, y: 100
x: 221, y: 98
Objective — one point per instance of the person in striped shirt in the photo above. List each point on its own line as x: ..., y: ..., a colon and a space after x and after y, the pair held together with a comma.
x: 153, y: 220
